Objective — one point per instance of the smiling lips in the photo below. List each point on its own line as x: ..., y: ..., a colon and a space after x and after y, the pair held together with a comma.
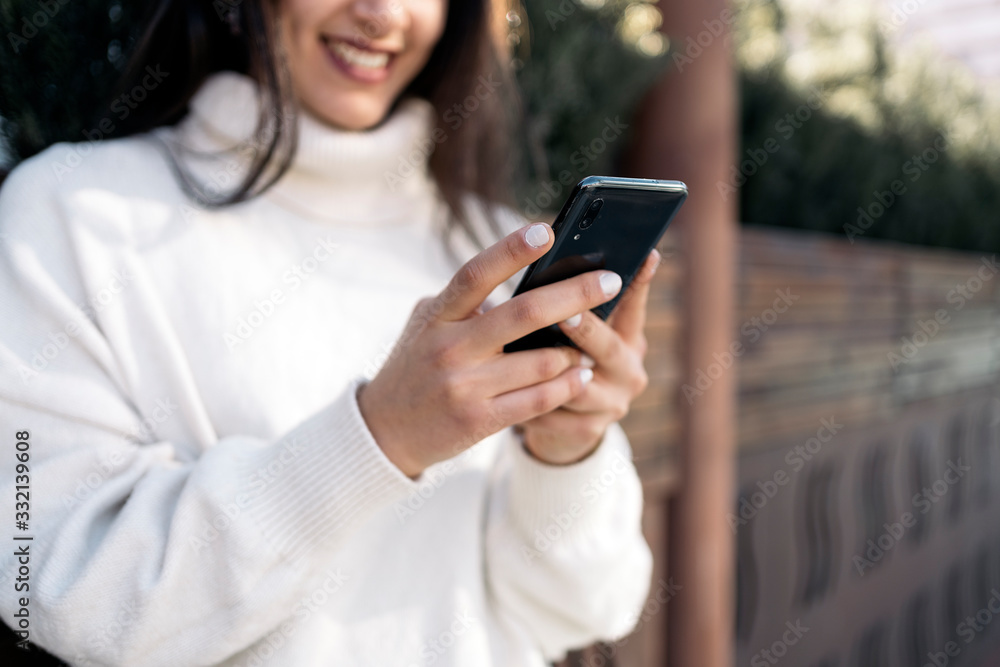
x: 359, y: 64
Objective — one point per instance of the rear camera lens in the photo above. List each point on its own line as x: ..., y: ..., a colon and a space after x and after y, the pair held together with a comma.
x: 591, y: 215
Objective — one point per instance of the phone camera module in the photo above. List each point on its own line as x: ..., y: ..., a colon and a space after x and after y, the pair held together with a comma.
x: 591, y: 215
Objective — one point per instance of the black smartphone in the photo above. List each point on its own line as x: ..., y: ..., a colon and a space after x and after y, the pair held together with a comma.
x: 606, y: 223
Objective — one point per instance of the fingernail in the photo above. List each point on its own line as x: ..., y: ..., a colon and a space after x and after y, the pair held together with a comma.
x: 656, y: 260
x: 586, y: 375
x: 611, y: 283
x: 574, y: 321
x: 586, y: 361
x: 537, y: 235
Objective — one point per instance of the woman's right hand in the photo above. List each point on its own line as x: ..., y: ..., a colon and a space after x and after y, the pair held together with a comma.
x: 448, y: 383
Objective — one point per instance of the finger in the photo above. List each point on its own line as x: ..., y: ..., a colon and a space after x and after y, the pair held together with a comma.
x: 529, y: 402
x: 600, y: 342
x: 629, y: 318
x: 599, y: 396
x: 543, y: 306
x: 509, y: 372
x: 472, y: 283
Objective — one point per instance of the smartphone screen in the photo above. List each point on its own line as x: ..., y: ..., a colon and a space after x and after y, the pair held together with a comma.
x: 606, y: 223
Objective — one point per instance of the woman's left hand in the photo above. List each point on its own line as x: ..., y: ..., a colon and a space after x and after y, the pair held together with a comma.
x: 617, y: 347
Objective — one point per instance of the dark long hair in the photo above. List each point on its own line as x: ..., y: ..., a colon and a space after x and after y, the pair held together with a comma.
x: 192, y: 39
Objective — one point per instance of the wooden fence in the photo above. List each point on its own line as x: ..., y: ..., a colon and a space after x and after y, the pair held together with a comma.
x: 866, y: 372
x: 869, y: 479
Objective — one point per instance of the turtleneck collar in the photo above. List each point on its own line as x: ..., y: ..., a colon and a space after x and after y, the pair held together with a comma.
x: 336, y: 174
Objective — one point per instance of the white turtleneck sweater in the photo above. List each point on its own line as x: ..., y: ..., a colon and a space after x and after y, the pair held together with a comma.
x: 203, y: 487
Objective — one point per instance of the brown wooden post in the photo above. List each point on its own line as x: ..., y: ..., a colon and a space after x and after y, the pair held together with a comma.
x: 686, y: 129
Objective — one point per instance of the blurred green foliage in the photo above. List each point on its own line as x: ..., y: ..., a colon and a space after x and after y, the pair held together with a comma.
x: 866, y: 118
x: 584, y: 70
x: 59, y: 62
x: 584, y: 66
x: 832, y: 118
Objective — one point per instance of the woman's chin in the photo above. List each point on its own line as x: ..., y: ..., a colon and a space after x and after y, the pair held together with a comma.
x: 358, y: 116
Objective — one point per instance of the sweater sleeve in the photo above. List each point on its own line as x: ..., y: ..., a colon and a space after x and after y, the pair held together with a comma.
x: 147, y: 551
x: 565, y: 552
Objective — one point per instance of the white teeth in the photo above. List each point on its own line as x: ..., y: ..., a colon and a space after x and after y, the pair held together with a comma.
x: 360, y: 58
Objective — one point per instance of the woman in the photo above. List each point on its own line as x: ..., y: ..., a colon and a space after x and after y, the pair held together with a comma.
x: 241, y: 450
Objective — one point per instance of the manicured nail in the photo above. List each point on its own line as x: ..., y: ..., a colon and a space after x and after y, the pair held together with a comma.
x: 587, y: 361
x: 586, y: 375
x: 537, y: 235
x: 574, y: 321
x: 656, y: 260
x: 611, y: 283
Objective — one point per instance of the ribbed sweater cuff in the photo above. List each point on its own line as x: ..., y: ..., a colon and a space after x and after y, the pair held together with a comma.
x: 326, y: 476
x: 575, y: 500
